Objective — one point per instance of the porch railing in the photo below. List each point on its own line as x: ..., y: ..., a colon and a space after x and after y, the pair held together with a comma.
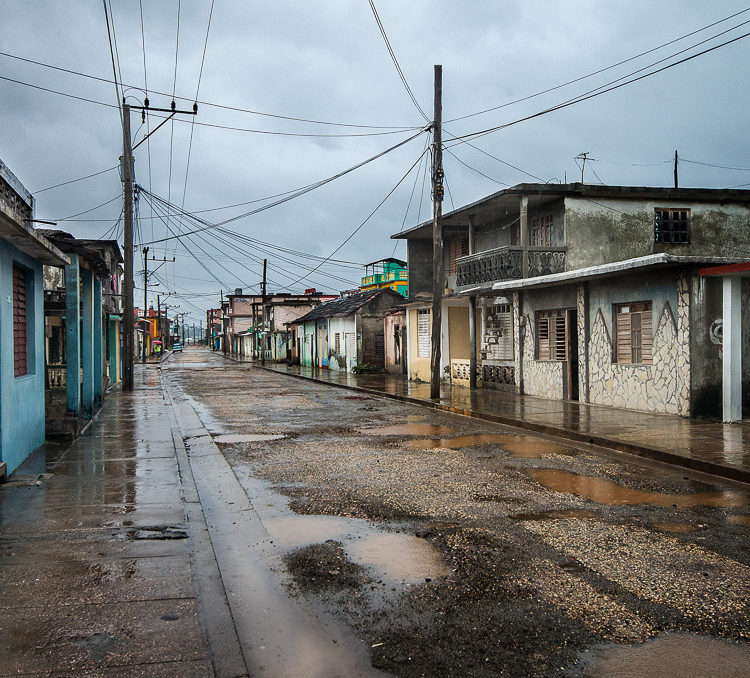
x: 506, y: 263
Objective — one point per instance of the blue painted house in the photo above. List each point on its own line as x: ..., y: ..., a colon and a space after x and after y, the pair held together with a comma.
x: 23, y: 254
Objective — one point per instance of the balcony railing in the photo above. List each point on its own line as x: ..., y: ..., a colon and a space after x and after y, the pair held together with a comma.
x: 506, y: 263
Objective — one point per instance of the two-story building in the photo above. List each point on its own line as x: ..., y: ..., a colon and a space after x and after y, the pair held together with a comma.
x: 589, y: 293
x: 388, y: 272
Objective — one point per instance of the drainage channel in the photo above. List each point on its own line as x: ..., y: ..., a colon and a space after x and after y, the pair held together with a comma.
x: 279, y: 636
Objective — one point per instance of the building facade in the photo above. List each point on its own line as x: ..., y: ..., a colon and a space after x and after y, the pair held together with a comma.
x: 588, y: 293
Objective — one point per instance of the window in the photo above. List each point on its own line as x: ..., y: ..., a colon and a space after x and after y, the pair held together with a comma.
x: 19, y: 321
x: 456, y: 248
x: 497, y: 343
x: 337, y: 343
x: 634, y: 338
x: 423, y: 333
x: 550, y: 335
x: 672, y: 226
x: 541, y: 230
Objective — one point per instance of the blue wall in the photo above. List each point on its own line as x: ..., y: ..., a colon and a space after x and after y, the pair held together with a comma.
x: 21, y: 398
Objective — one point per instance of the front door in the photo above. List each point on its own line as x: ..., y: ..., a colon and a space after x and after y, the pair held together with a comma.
x: 323, y: 345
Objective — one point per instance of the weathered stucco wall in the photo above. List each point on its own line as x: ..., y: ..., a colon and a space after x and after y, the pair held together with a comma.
x: 395, y: 337
x: 540, y: 377
x: 458, y: 332
x: 345, y: 358
x: 612, y: 230
x: 419, y: 255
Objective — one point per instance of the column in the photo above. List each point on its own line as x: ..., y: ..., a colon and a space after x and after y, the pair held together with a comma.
x: 98, y: 345
x: 472, y: 342
x: 73, y: 335
x: 732, y: 349
x: 523, y: 232
x: 87, y: 344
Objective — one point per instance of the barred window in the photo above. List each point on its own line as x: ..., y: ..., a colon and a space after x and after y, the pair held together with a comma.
x: 423, y: 333
x: 550, y: 335
x: 337, y: 343
x: 634, y: 340
x: 541, y: 230
x: 672, y: 226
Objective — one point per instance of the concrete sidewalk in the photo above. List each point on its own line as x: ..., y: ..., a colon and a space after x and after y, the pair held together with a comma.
x: 705, y: 445
x: 105, y: 561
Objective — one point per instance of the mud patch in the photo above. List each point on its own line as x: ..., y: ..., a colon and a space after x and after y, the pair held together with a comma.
x: 555, y: 515
x: 325, y: 567
x: 684, y: 655
x: 674, y: 528
x: 739, y: 520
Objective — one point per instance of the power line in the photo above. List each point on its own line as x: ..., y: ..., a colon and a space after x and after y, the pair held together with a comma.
x: 395, y: 61
x: 369, y: 216
x: 236, y: 109
x: 72, y: 216
x: 72, y: 181
x: 602, y: 70
x: 594, y: 93
x: 112, y: 55
x: 296, y: 194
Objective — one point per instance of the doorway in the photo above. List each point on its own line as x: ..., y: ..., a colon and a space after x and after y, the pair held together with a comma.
x: 571, y: 354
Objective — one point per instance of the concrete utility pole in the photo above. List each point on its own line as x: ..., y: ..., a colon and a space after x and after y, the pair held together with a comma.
x: 127, y: 191
x: 437, y: 234
x: 263, y: 314
x: 145, y: 297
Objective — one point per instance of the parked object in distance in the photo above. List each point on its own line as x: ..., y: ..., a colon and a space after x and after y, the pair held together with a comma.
x: 177, y: 346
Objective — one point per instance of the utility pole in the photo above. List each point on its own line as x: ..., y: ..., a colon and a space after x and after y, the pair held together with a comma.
x: 158, y: 322
x: 201, y: 335
x: 263, y: 314
x: 145, y: 297
x: 437, y: 234
x: 584, y: 157
x: 127, y: 173
x: 676, y: 183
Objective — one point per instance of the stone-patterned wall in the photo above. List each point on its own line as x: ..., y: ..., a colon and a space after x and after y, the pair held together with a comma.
x: 657, y: 387
x: 583, y: 345
x: 540, y: 377
x: 683, y: 343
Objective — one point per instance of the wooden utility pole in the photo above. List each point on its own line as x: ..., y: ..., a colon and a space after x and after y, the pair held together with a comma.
x: 263, y: 314
x: 127, y: 174
x: 437, y: 234
x: 676, y: 183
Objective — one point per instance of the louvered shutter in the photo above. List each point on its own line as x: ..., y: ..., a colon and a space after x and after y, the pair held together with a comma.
x: 19, y: 321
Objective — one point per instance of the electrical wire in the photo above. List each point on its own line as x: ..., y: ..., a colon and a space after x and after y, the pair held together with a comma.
x: 235, y: 109
x: 72, y: 216
x: 595, y: 93
x: 369, y: 216
x: 395, y: 61
x: 296, y: 194
x: 601, y: 70
x: 72, y: 181
x: 114, y: 70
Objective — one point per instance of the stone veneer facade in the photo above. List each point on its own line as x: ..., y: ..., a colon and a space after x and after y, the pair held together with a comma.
x: 662, y: 386
x: 540, y: 377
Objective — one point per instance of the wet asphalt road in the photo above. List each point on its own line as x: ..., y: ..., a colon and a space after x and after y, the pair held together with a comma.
x: 420, y: 543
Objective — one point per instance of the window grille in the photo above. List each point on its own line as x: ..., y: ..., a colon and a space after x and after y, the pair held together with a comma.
x: 19, y: 321
x: 456, y: 248
x: 672, y: 226
x: 541, y: 230
x: 423, y: 333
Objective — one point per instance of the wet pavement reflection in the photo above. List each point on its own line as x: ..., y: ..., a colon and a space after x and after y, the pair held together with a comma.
x: 701, y: 440
x: 603, y: 491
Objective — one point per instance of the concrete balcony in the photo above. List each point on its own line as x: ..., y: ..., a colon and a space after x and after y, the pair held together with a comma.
x: 508, y: 263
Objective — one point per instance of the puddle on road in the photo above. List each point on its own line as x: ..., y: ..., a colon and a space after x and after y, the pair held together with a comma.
x: 522, y: 447
x: 247, y: 437
x: 393, y: 556
x: 603, y: 491
x: 410, y: 429
x: 674, y: 528
x: 672, y: 654
x: 739, y: 520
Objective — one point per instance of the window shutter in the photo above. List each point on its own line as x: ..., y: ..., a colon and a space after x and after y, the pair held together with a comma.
x: 624, y: 348
x: 19, y: 321
x: 543, y: 338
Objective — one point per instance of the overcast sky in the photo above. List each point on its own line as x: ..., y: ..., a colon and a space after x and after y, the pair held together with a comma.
x: 327, y: 61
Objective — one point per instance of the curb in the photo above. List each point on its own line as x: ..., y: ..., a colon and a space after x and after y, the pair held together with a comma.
x: 726, y: 472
